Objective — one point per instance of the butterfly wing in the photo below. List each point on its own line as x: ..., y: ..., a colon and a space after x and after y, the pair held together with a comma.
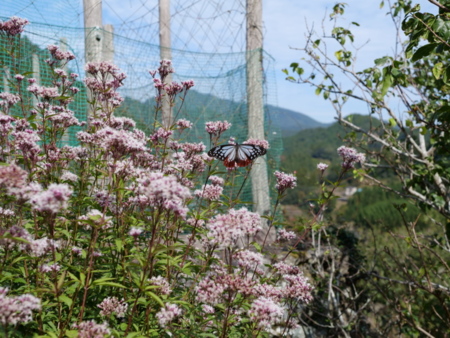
x: 237, y: 155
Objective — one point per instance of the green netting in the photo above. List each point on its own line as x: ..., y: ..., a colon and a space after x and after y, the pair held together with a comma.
x: 219, y: 92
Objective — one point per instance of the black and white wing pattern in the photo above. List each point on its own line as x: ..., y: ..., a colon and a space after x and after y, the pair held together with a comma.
x: 237, y: 155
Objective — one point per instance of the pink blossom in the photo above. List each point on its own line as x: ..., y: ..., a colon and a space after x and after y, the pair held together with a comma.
x: 257, y: 142
x: 7, y: 100
x: 58, y: 54
x: 54, y: 199
x: 112, y: 305
x: 68, y: 176
x: 168, y: 314
x: 285, y: 181
x: 15, y: 232
x: 164, y: 287
x: 12, y: 176
x: 322, y: 166
x: 161, y: 134
x: 350, y: 157
x: 40, y: 247
x: 165, y: 68
x: 208, y: 291
x: 90, y: 329
x: 217, y: 127
x: 225, y: 230
x: 76, y: 250
x: 50, y: 268
x: 248, y: 259
x: 13, y: 26
x: 187, y: 84
x: 6, y: 125
x: 135, y: 232
x: 265, y: 312
x: 18, y: 309
x: 216, y: 180
x: 297, y: 287
x: 208, y: 309
x: 164, y: 191
x: 209, y: 192
x: 284, y: 268
x: 283, y: 234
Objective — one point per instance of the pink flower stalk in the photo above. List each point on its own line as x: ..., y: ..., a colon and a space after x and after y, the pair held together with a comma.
x: 54, y: 199
x: 256, y: 142
x: 285, y: 181
x: 168, y: 314
x: 13, y: 26
x: 265, y: 312
x: 322, y: 166
x: 164, y: 287
x: 350, y: 157
x: 112, y: 305
x: 226, y: 230
x: 209, y: 192
x: 283, y: 234
x: 218, y: 127
x: 90, y: 329
x: 18, y: 309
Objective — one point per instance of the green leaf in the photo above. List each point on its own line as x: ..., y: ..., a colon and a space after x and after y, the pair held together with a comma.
x: 71, y: 333
x: 424, y: 51
x: 392, y: 122
x: 66, y: 300
x: 119, y: 244
x: 438, y: 69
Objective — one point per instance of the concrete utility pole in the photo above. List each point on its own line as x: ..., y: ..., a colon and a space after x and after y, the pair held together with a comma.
x: 255, y: 103
x: 165, y: 53
x: 93, y: 34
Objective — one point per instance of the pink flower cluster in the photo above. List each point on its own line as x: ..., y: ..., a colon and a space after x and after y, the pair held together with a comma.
x: 167, y: 314
x: 54, y: 199
x: 59, y: 55
x: 112, y: 305
x: 283, y: 234
x: 225, y: 230
x: 164, y: 287
x: 90, y: 329
x: 13, y: 26
x: 350, y: 156
x: 257, y: 142
x: 164, y: 191
x: 209, y: 192
x: 322, y: 166
x: 17, y: 310
x: 7, y: 100
x: 265, y: 312
x: 248, y: 259
x: 184, y: 124
x: 218, y: 127
x: 285, y: 181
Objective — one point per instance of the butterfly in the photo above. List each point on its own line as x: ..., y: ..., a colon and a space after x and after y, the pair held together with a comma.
x: 237, y: 155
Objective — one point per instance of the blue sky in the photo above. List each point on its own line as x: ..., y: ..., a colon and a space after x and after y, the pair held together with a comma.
x: 285, y: 23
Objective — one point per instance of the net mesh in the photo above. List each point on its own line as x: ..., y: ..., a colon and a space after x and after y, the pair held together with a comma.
x: 220, y: 77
